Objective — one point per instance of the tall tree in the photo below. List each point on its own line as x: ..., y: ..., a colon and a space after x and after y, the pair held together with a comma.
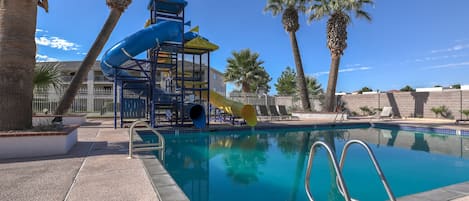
x: 314, y: 87
x: 338, y: 12
x: 246, y: 71
x: 17, y: 61
x: 407, y: 88
x: 117, y: 8
x: 286, y: 83
x: 290, y: 10
x: 365, y: 89
x: 262, y: 84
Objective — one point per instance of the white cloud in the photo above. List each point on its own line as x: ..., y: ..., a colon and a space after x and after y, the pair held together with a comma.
x: 40, y: 30
x: 81, y: 53
x: 56, y: 42
x: 440, y: 57
x: 451, y: 65
x: 452, y: 49
x: 353, y: 65
x: 44, y: 58
x: 361, y: 68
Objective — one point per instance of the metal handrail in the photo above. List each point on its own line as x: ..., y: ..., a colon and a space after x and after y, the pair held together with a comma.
x: 341, y: 117
x: 149, y: 146
x: 375, y: 163
x: 337, y: 170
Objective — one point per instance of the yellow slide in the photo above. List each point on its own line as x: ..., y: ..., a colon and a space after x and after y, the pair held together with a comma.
x: 247, y: 112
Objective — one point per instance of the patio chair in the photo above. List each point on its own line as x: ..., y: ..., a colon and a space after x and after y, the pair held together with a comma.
x: 262, y: 112
x: 274, y: 113
x: 283, y: 112
x: 386, y: 113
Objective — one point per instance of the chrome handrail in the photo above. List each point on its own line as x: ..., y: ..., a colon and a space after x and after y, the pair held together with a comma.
x: 337, y: 170
x: 375, y: 163
x: 145, y: 147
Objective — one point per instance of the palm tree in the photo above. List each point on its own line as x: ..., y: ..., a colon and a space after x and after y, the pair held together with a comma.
x: 313, y: 86
x: 290, y: 10
x: 339, y: 13
x: 117, y: 8
x: 46, y: 75
x: 17, y: 59
x: 245, y: 70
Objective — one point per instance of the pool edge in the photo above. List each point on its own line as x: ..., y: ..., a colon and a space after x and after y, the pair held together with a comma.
x: 162, y: 182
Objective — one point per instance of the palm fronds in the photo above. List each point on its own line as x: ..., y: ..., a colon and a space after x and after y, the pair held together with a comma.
x: 47, y: 75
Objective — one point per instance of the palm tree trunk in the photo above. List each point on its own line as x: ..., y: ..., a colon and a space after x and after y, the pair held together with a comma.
x: 300, y: 164
x: 67, y: 99
x: 332, y: 83
x: 300, y: 75
x: 17, y: 60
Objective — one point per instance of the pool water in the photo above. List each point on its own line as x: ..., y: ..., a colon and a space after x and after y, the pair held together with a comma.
x: 270, y: 165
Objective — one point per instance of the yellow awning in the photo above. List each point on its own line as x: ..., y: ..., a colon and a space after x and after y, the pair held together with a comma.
x: 200, y: 43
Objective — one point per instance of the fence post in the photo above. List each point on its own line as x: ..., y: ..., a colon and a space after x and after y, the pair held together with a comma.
x: 90, y: 94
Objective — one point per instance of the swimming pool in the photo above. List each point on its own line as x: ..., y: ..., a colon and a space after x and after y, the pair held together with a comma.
x: 270, y: 164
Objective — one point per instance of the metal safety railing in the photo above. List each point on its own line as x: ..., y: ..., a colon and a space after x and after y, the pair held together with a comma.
x: 334, y: 164
x: 159, y: 146
x: 338, y: 168
x: 375, y: 164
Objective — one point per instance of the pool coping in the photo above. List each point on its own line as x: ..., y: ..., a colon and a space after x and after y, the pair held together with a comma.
x: 162, y: 182
x: 451, y: 192
x: 172, y: 191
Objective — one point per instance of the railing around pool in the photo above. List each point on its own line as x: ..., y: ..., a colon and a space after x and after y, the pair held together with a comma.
x: 159, y: 146
x: 338, y: 168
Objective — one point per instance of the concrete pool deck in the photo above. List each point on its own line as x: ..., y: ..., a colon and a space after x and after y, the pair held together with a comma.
x: 97, y: 167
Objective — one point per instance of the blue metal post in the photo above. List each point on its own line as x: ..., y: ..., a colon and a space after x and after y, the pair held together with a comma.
x: 115, y: 100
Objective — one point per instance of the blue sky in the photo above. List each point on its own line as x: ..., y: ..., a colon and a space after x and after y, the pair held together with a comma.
x: 421, y: 43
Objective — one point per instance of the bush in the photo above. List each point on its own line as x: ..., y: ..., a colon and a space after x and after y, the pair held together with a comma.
x: 441, y: 110
x: 465, y: 113
x: 367, y: 111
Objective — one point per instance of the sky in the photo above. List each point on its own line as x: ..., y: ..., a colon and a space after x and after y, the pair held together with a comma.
x: 421, y: 43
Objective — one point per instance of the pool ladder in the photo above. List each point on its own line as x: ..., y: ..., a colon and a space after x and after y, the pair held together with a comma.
x: 145, y: 146
x: 339, y: 166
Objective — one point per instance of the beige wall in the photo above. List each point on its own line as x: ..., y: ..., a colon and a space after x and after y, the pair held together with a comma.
x: 411, y: 104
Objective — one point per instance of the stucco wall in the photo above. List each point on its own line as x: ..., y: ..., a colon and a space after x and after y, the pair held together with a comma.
x: 411, y: 104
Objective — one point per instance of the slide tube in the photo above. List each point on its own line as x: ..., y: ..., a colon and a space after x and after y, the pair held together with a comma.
x: 139, y: 42
x: 247, y: 112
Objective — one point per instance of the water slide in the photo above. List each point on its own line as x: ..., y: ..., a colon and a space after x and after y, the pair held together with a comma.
x: 247, y: 112
x: 139, y: 42
x: 153, y: 36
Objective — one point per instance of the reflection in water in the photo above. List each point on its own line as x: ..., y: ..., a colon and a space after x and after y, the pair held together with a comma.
x: 393, y: 137
x: 242, y: 165
x: 271, y: 165
x: 420, y: 143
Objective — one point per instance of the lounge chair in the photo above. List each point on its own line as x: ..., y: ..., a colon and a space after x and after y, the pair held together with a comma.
x: 283, y: 112
x: 386, y: 113
x: 274, y: 113
x: 262, y: 112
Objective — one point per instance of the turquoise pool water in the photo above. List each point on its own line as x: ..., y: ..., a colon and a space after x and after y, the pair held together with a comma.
x: 270, y: 164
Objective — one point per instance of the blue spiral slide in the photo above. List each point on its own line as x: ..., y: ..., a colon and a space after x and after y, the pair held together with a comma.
x: 141, y: 41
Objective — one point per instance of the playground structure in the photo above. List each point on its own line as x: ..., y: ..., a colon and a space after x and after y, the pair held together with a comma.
x: 172, y: 84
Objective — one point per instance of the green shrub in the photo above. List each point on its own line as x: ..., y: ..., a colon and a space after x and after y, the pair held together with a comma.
x: 465, y: 113
x: 441, y: 110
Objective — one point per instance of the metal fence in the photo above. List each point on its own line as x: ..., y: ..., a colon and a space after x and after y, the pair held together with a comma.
x: 100, y: 100
x: 293, y: 103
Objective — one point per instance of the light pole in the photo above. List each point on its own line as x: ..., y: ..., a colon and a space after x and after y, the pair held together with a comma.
x: 379, y: 99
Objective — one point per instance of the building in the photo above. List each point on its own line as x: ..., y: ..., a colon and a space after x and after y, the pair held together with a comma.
x: 96, y: 79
